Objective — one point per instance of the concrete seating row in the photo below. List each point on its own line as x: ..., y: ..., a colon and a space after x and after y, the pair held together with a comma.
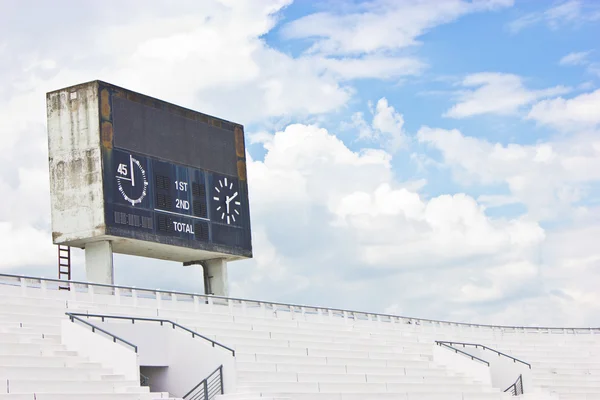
x: 303, y: 352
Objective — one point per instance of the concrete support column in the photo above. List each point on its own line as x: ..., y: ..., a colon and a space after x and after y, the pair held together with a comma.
x: 99, y: 262
x: 215, y: 277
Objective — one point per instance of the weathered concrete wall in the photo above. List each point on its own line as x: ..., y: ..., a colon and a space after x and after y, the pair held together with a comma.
x: 76, y: 192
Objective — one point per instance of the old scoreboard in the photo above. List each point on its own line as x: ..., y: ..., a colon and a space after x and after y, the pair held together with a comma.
x: 153, y: 178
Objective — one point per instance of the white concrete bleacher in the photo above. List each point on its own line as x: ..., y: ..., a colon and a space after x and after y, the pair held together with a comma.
x: 35, y: 365
x: 284, y: 351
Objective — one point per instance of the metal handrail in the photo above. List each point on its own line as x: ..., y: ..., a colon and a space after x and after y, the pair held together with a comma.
x: 95, y: 328
x: 207, y: 389
x: 144, y: 380
x: 472, y: 357
x: 476, y: 345
x: 517, y: 387
x: 334, y: 310
x: 162, y: 321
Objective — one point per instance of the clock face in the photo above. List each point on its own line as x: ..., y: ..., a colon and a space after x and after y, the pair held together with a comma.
x: 227, y: 207
x: 132, y: 181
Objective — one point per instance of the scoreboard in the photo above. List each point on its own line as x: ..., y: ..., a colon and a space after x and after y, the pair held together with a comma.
x: 147, y: 197
x: 170, y: 176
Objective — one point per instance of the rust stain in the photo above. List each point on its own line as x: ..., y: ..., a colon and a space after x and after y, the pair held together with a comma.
x: 133, y: 97
x: 241, y: 167
x: 147, y: 101
x: 107, y: 135
x: 100, y: 228
x: 104, y: 104
x: 189, y: 114
x: 216, y: 122
x: 56, y: 235
x: 240, y: 151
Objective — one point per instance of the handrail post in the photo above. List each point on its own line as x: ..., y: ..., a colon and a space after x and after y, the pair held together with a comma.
x: 210, y: 305
x: 206, y: 389
x: 221, y: 378
x: 23, y: 286
x: 196, y: 303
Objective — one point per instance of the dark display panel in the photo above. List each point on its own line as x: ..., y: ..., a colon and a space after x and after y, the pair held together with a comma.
x: 173, y: 176
x: 149, y: 199
x: 172, y: 137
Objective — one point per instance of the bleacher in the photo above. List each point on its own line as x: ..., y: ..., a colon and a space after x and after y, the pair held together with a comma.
x: 281, y: 351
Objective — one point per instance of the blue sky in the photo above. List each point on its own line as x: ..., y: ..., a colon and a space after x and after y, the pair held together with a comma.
x: 435, y: 158
x: 481, y: 42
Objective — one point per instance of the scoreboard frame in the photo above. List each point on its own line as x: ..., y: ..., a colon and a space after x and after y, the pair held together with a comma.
x: 153, y: 178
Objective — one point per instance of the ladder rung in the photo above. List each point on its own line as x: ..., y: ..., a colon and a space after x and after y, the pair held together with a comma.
x: 64, y: 265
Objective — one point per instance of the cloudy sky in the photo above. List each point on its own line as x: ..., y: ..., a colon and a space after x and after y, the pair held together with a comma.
x: 432, y: 158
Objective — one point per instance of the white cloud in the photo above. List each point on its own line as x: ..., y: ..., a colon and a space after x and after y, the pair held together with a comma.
x: 259, y: 137
x: 455, y: 226
x: 381, y: 25
x: 325, y: 213
x: 571, y: 12
x: 497, y: 200
x: 496, y: 93
x: 370, y: 40
x: 24, y: 245
x: 575, y: 58
x: 377, y: 66
x: 386, y: 128
x: 577, y: 113
x: 549, y: 178
x: 328, y: 221
x: 582, y: 59
x: 206, y: 56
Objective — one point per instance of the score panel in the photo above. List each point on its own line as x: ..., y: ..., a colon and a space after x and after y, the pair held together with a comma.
x: 153, y: 200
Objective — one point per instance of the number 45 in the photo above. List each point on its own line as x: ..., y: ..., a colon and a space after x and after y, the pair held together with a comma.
x: 122, y: 169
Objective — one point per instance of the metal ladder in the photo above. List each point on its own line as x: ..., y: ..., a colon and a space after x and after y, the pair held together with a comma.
x: 64, y: 265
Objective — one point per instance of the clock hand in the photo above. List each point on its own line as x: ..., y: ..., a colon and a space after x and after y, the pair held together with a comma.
x: 227, y: 203
x: 131, y: 169
x: 232, y: 197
